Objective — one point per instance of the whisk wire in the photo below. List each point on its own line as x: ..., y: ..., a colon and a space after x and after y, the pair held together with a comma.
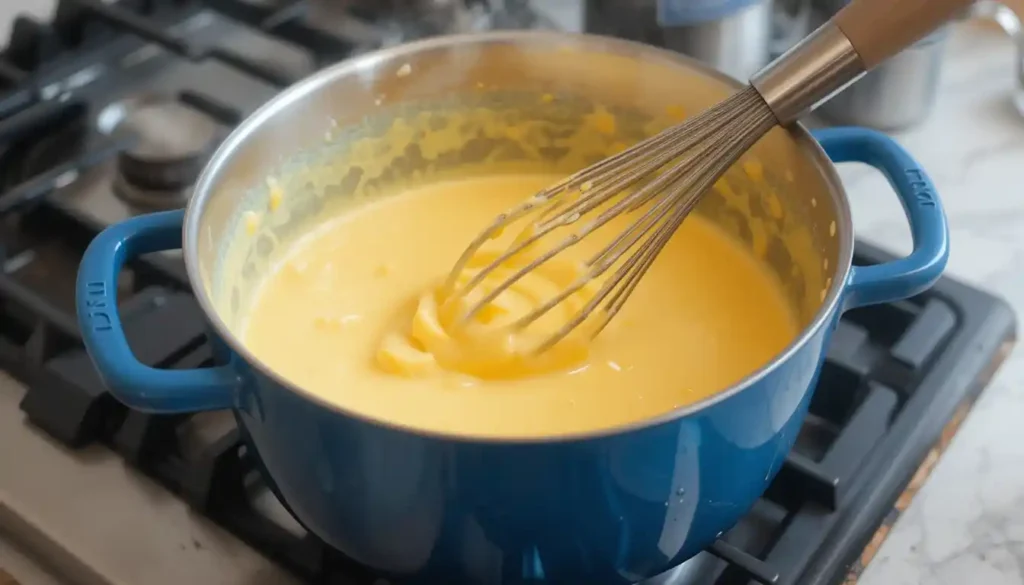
x: 664, y: 176
x: 566, y: 217
x: 596, y: 266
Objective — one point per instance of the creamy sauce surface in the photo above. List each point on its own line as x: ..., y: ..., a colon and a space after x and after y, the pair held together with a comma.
x: 353, y: 313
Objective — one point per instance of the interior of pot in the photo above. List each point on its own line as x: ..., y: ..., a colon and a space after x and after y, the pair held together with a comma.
x: 495, y: 103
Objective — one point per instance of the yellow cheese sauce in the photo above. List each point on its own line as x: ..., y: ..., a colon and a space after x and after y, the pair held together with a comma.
x: 459, y: 328
x: 357, y: 313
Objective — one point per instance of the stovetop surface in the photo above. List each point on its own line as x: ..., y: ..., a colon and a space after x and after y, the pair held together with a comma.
x: 110, y: 110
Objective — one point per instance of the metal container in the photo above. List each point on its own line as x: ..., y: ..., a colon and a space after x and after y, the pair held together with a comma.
x: 897, y: 94
x: 610, y: 507
x: 732, y: 36
x: 734, y: 39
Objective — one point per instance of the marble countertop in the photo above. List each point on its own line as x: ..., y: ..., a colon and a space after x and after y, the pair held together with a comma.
x: 967, y: 524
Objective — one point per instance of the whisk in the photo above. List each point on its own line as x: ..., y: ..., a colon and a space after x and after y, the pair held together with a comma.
x: 666, y: 175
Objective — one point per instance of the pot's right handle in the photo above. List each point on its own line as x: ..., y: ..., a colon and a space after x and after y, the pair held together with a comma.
x: 906, y: 277
x: 137, y: 385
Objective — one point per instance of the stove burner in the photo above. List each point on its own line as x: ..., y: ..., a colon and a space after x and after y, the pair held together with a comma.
x: 173, y: 142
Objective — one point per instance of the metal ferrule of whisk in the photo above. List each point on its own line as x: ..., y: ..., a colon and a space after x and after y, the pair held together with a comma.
x: 809, y: 73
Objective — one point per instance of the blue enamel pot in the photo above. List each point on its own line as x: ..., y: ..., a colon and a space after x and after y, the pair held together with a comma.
x: 616, y: 506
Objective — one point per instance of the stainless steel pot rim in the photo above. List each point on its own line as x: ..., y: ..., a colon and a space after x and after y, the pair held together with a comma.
x: 222, y: 159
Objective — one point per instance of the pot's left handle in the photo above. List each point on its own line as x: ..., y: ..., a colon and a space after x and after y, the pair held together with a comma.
x: 135, y: 384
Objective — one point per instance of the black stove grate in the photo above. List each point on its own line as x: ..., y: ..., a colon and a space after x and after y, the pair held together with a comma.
x: 895, y: 376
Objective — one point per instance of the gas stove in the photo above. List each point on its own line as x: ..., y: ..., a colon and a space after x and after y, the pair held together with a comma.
x: 111, y: 109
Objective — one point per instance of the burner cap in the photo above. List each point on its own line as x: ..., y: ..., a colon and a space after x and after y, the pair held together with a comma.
x: 173, y: 142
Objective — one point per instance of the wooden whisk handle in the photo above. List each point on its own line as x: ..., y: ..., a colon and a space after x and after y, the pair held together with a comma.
x: 879, y: 29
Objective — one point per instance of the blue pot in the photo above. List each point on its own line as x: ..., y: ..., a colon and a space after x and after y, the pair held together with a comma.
x: 616, y: 506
